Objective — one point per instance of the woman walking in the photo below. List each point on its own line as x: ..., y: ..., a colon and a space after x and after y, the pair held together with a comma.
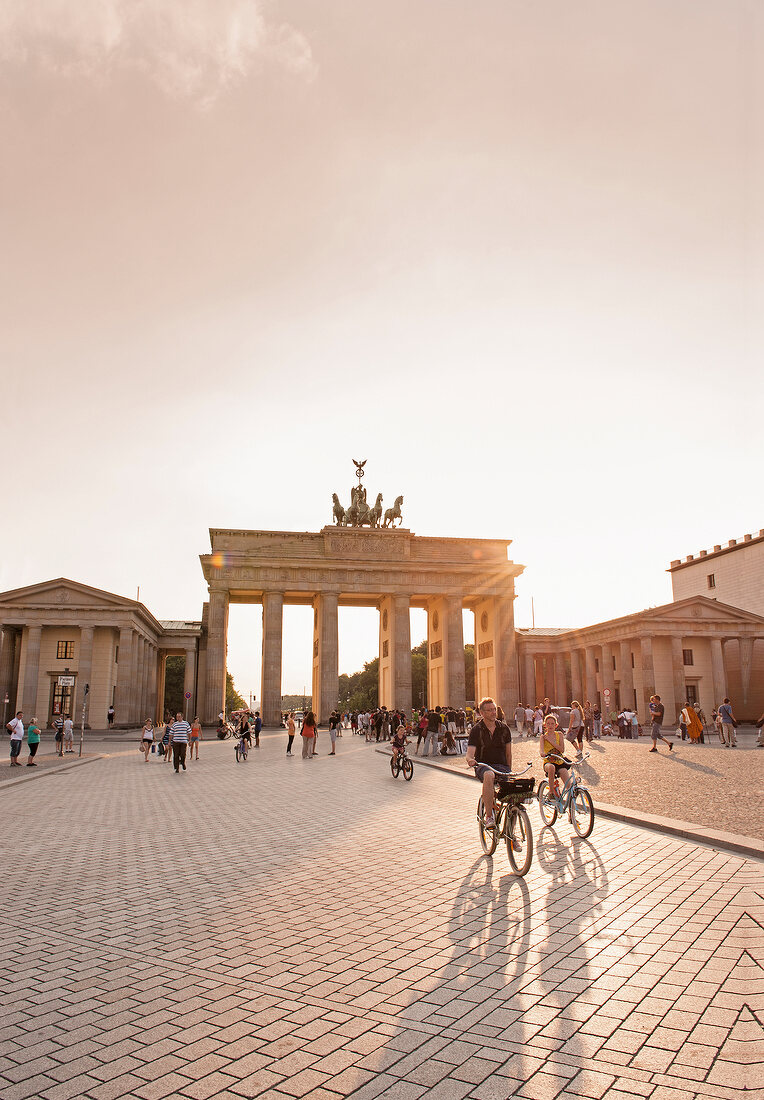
x: 147, y: 738
x: 290, y: 732
x: 576, y: 725
x: 309, y: 736
x: 33, y: 740
x: 194, y: 738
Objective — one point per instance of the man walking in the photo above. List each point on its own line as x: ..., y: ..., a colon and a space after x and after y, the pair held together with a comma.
x: 258, y: 728
x: 657, y: 710
x: 110, y: 716
x: 16, y: 729
x: 520, y: 719
x: 179, y: 732
x: 431, y: 737
x: 728, y: 724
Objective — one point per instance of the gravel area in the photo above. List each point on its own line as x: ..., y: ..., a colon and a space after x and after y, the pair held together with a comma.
x: 703, y: 784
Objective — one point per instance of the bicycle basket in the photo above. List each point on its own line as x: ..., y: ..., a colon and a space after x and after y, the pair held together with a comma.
x: 515, y: 791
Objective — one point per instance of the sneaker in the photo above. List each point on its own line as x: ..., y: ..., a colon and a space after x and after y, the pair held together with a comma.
x: 490, y: 822
x: 289, y: 753
x: 671, y: 747
x: 652, y: 750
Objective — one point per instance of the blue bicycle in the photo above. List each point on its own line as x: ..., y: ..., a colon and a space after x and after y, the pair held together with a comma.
x: 574, y: 798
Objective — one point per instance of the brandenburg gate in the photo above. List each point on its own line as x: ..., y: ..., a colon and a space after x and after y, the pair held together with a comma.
x: 362, y: 562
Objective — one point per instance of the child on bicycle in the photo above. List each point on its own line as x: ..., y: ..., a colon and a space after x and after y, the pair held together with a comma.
x: 399, y: 742
x: 553, y: 754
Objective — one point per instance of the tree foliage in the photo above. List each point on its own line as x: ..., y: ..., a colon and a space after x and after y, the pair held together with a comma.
x: 360, y: 690
x: 174, y: 672
x: 233, y: 701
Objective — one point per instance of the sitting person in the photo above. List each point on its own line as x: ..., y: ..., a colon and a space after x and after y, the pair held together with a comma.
x: 553, y: 755
x: 489, y: 752
x: 399, y: 741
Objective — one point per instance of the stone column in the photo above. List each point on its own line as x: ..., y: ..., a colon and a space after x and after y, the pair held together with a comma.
x: 677, y: 674
x: 718, y: 671
x: 591, y: 675
x: 575, y: 676
x: 84, y: 674
x: 627, y: 676
x: 161, y: 673
x: 401, y: 606
x: 648, y: 674
x: 122, y: 704
x: 270, y: 680
x: 214, y: 700
x: 608, y: 674
x: 746, y: 657
x: 31, y: 644
x: 151, y: 702
x: 560, y: 681
x: 327, y: 666
x: 529, y: 678
x: 7, y: 654
x: 507, y: 677
x: 189, y: 678
x: 455, y: 690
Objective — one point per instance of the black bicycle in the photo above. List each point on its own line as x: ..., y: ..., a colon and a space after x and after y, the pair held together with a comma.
x: 241, y: 749
x: 511, y: 822
x: 402, y: 763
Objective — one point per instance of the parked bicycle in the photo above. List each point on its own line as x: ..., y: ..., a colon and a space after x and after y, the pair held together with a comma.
x: 226, y: 730
x: 402, y: 763
x: 512, y: 823
x: 573, y: 799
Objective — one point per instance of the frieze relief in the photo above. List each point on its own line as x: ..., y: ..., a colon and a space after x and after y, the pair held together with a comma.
x: 386, y: 547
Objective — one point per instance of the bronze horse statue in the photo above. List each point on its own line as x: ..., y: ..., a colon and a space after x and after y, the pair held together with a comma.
x: 393, y: 514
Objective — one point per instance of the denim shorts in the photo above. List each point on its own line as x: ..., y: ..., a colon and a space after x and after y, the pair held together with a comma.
x: 497, y: 769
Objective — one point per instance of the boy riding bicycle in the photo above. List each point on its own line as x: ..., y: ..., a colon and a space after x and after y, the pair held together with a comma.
x: 399, y: 742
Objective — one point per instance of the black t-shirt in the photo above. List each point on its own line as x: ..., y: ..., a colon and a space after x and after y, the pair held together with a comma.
x: 490, y: 749
x: 657, y: 710
x: 433, y: 722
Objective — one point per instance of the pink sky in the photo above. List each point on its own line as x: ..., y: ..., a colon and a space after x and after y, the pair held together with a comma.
x: 511, y: 253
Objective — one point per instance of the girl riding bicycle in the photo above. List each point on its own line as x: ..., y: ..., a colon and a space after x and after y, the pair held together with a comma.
x: 553, y: 754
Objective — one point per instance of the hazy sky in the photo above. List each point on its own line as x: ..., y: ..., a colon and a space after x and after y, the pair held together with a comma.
x: 510, y: 252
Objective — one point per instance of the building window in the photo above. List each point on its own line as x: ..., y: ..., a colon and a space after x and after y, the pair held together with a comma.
x: 711, y: 580
x: 692, y: 694
x: 64, y: 651
x: 596, y: 664
x: 687, y: 656
x: 632, y: 660
x: 613, y: 662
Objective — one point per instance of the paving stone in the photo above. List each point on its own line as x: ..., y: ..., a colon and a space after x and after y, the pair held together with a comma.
x: 608, y: 962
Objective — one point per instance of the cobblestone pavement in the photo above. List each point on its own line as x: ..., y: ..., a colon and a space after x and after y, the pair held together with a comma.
x: 704, y: 784
x: 287, y: 928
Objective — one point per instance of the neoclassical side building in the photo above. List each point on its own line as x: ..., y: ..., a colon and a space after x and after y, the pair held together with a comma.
x: 60, y: 635
x: 692, y: 650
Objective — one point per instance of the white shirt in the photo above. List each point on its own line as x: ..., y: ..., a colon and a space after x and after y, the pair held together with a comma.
x: 68, y: 726
x: 17, y: 729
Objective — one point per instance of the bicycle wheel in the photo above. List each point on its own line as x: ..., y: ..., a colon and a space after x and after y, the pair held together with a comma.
x: 519, y: 838
x: 489, y: 838
x: 581, y: 812
x: 547, y: 809
x: 394, y: 767
x: 408, y: 770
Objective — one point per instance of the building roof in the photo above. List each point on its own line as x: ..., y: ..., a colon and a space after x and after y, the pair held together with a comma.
x: 544, y: 631
x: 179, y: 624
x: 705, y: 555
